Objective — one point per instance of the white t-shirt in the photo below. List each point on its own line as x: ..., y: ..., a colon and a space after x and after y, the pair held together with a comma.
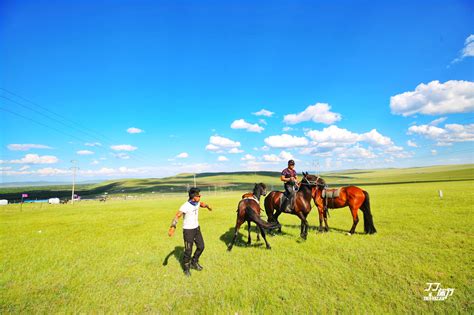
x: 191, y: 213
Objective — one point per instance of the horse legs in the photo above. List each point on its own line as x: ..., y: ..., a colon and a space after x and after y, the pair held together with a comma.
x: 304, y: 225
x: 264, y: 237
x: 277, y: 214
x: 237, y: 227
x: 320, y: 212
x: 249, y: 241
x: 355, y: 219
x: 326, y: 228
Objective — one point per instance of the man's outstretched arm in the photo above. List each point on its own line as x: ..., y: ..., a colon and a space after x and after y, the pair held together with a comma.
x: 205, y: 205
x: 174, y: 223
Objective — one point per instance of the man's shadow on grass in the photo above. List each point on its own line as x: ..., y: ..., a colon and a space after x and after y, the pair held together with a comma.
x: 178, y: 253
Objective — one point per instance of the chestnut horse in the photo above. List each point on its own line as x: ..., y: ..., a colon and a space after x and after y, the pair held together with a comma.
x: 301, y: 207
x: 249, y: 210
x: 349, y: 196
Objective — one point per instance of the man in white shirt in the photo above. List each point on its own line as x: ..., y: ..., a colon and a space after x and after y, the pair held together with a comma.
x: 191, y: 230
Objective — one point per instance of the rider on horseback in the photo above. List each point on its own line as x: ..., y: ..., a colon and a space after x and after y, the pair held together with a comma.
x: 290, y: 179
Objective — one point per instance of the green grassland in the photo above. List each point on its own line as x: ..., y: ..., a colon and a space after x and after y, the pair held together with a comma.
x: 238, y: 181
x: 117, y: 257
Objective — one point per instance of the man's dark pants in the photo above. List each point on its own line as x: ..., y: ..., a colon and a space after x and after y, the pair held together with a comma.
x: 192, y: 236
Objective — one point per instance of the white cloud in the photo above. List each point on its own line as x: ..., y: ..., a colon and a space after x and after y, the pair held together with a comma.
x: 356, y: 152
x: 435, y: 98
x: 121, y: 155
x: 6, y: 168
x: 286, y: 156
x: 212, y: 147
x: 333, y: 135
x: 375, y: 138
x: 434, y: 152
x: 286, y: 141
x: 134, y: 130
x: 95, y: 162
x: 48, y: 171
x: 248, y: 157
x: 271, y: 158
x: 26, y: 147
x: 438, y: 121
x: 263, y: 121
x: 447, y: 135
x: 235, y: 151
x: 182, y: 155
x: 222, y: 158
x: 432, y: 132
x: 412, y: 144
x: 287, y: 128
x: 123, y: 147
x: 93, y: 144
x: 467, y: 51
x: 242, y: 124
x: 264, y: 112
x: 218, y: 144
x: 84, y: 152
x: 35, y: 159
x: 319, y: 112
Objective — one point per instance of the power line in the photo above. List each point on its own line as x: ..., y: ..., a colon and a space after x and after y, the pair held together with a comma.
x: 102, y: 139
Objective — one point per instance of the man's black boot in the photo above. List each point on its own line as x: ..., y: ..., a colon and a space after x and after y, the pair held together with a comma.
x: 196, y: 265
x: 186, y: 268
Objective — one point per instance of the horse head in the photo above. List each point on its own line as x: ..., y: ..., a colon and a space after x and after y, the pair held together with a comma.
x: 313, y: 180
x: 261, y: 188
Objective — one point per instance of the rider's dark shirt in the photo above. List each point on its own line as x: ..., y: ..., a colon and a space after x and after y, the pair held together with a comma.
x: 289, y: 173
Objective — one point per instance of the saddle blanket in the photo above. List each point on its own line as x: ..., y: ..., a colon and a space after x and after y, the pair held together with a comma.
x: 331, y: 193
x: 252, y: 198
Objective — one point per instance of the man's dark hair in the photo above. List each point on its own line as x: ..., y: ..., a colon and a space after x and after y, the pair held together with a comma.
x: 291, y: 162
x: 193, y: 192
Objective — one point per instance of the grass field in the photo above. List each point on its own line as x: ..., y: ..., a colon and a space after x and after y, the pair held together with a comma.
x: 117, y: 257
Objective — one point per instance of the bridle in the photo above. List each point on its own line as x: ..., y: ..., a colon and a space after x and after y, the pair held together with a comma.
x: 312, y: 183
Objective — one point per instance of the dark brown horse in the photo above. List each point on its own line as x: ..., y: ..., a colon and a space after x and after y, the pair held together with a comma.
x: 301, y: 207
x: 249, y: 210
x: 349, y: 196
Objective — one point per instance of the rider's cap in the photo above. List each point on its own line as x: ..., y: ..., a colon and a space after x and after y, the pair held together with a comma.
x: 291, y: 162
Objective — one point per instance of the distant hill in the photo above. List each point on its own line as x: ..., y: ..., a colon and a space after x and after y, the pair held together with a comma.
x: 243, y: 181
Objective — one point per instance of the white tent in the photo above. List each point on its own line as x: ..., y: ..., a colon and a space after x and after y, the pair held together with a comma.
x: 3, y: 202
x: 53, y: 201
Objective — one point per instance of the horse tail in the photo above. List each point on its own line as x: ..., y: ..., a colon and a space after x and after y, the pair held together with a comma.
x: 252, y: 216
x: 268, y: 203
x: 369, y: 227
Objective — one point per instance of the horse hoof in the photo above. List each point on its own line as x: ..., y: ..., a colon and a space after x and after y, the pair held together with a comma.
x: 349, y: 233
x: 229, y: 249
x: 269, y: 247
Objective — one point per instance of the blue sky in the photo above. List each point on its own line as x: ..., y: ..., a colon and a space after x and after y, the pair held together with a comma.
x: 354, y: 84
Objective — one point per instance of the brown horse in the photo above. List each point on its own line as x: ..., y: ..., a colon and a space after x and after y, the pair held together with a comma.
x: 249, y: 210
x: 301, y: 207
x: 349, y: 196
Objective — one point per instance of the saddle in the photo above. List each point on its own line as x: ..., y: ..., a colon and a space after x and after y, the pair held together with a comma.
x: 331, y: 193
x: 251, y: 198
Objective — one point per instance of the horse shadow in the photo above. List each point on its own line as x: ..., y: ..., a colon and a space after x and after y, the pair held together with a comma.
x: 227, y: 237
x: 178, y: 253
x: 342, y: 231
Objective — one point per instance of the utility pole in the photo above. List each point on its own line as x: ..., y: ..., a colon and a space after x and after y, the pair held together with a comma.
x: 74, y: 169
